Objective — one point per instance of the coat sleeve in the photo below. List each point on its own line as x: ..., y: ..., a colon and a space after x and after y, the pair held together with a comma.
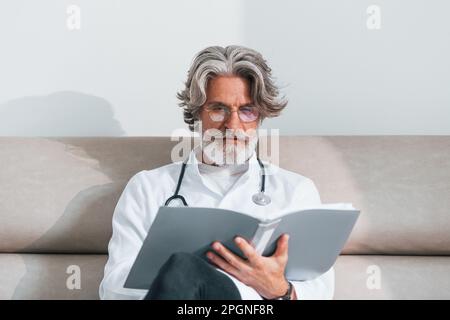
x: 129, y: 232
x: 321, y: 287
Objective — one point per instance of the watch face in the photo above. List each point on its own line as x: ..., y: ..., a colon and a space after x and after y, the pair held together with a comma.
x: 287, y: 296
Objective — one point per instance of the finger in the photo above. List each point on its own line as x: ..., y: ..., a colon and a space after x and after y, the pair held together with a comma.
x: 222, y: 264
x: 282, y: 246
x: 229, y: 256
x: 248, y: 250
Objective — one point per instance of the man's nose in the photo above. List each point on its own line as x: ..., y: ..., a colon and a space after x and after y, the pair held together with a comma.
x: 233, y: 122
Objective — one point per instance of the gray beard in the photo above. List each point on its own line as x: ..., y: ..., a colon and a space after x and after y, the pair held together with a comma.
x: 220, y: 154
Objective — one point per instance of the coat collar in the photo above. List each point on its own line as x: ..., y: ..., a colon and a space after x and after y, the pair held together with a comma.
x: 192, y: 172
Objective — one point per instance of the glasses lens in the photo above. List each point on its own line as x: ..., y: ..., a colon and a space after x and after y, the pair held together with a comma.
x: 248, y: 114
x: 217, y: 114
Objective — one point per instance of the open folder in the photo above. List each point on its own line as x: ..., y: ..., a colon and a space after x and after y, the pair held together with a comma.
x: 316, y: 238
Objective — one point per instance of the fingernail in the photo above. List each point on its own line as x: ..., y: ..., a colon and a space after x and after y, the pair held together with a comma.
x: 216, y: 246
x: 209, y: 255
x: 238, y: 240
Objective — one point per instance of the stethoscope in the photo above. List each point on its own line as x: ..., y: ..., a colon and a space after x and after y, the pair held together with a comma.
x: 259, y: 198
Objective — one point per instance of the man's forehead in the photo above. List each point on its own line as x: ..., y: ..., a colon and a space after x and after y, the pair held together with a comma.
x: 228, y: 104
x: 225, y: 88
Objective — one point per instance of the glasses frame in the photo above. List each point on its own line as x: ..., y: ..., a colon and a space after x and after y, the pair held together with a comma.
x: 228, y: 112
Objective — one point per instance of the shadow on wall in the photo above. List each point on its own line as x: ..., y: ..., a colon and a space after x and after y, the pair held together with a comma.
x: 79, y: 218
x: 64, y: 113
x: 60, y: 114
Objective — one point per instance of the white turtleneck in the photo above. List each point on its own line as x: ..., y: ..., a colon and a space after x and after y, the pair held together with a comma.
x: 221, y: 178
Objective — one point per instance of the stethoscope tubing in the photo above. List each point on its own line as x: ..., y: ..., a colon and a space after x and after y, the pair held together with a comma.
x: 176, y: 195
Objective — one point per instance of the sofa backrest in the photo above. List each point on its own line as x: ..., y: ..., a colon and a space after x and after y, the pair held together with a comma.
x: 57, y: 195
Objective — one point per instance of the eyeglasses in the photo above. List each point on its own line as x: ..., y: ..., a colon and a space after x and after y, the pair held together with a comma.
x: 221, y: 113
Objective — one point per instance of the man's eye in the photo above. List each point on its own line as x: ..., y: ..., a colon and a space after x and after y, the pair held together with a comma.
x: 247, y: 109
x: 217, y: 108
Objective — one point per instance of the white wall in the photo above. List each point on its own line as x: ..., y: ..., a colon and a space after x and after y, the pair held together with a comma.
x: 118, y: 74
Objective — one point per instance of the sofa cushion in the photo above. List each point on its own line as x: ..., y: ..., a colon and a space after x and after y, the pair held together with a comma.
x: 50, y: 276
x: 45, y: 276
x: 392, y: 277
x: 59, y: 194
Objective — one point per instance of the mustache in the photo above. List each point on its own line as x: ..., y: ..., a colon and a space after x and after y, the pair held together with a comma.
x: 238, y: 134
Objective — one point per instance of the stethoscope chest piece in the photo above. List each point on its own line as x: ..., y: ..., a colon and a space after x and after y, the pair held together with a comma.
x: 261, y: 199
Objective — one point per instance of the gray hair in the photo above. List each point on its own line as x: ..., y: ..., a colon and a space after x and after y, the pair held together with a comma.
x: 231, y: 60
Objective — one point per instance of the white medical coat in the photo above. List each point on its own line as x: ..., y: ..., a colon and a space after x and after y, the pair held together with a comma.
x: 148, y: 190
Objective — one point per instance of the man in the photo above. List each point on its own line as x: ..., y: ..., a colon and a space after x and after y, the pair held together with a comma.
x: 229, y: 90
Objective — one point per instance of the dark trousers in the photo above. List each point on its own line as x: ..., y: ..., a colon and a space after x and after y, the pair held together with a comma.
x: 186, y: 276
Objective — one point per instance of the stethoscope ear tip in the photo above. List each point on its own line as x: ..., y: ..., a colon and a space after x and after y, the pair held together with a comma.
x: 261, y: 199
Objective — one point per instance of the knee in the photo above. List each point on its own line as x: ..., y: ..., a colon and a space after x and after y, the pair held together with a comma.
x: 180, y: 271
x: 182, y: 260
x: 182, y: 264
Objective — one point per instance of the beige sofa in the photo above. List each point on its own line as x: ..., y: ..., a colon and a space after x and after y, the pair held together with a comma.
x: 57, y: 197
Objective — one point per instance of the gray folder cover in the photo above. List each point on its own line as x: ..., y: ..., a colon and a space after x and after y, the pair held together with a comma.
x: 317, y: 236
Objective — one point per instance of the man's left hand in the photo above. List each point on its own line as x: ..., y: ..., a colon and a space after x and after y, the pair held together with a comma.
x: 264, y: 274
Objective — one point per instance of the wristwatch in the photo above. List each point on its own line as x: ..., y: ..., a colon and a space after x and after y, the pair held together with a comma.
x: 286, y: 296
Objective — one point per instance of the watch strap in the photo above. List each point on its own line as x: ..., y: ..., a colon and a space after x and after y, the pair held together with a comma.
x: 287, y: 295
